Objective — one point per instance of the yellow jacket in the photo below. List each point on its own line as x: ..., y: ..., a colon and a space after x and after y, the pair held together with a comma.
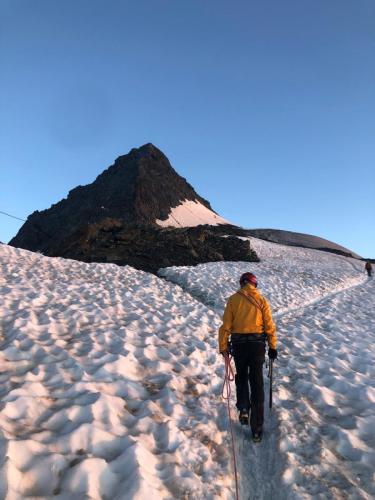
x: 243, y: 316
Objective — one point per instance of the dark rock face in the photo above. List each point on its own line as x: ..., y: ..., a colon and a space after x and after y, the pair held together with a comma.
x: 113, y: 220
x: 149, y: 248
x: 138, y: 188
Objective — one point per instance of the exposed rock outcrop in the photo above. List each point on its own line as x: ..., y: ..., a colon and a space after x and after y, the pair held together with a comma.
x: 150, y: 248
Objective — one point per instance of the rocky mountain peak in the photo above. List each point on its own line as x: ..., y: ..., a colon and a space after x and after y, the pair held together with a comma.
x: 139, y: 196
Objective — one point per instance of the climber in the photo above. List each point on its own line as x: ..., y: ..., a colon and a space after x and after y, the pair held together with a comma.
x: 368, y: 268
x: 248, y: 322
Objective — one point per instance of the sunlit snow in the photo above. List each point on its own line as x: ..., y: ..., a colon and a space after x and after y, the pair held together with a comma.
x: 109, y: 384
x: 189, y: 214
x: 111, y: 381
x: 319, y: 441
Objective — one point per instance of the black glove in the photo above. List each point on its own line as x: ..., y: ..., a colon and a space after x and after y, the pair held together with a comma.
x: 272, y: 353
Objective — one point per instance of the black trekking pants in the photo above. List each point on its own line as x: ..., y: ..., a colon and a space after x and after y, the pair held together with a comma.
x: 249, y: 358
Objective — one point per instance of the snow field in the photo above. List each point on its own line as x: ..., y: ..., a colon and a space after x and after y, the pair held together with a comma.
x: 111, y: 382
x: 109, y: 385
x: 326, y: 396
x: 290, y: 277
x: 319, y: 440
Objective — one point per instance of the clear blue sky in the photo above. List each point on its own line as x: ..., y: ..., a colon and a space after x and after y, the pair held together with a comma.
x: 266, y: 107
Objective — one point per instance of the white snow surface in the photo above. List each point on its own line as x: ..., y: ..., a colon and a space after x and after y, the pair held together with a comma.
x: 109, y: 385
x: 289, y: 277
x: 111, y: 381
x: 189, y: 214
x: 319, y: 440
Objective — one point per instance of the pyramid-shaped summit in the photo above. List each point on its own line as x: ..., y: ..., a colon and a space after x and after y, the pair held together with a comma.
x: 139, y: 188
x: 136, y: 205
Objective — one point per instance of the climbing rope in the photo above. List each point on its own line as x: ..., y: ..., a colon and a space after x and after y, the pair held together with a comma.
x: 226, y: 393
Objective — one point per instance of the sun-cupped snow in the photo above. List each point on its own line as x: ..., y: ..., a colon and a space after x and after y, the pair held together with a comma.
x: 110, y: 383
x: 289, y: 277
x: 191, y: 213
x: 325, y: 406
x: 319, y: 439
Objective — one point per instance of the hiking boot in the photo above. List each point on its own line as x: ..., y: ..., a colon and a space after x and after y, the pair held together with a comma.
x: 243, y: 417
x: 257, y: 437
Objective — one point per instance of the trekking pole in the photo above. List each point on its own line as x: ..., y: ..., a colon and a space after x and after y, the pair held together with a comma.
x: 270, y: 375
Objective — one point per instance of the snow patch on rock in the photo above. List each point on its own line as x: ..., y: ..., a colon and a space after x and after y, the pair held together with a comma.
x: 190, y: 214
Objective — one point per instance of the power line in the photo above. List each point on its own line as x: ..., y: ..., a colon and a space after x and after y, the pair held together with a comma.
x: 33, y: 225
x: 13, y: 216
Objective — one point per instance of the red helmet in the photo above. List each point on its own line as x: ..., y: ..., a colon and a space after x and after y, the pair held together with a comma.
x: 248, y: 278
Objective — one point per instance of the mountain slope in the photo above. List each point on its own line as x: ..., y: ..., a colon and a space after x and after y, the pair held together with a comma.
x: 300, y: 240
x: 138, y: 188
x: 138, y: 212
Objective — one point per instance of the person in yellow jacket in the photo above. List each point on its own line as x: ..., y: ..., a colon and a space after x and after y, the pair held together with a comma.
x: 248, y: 322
